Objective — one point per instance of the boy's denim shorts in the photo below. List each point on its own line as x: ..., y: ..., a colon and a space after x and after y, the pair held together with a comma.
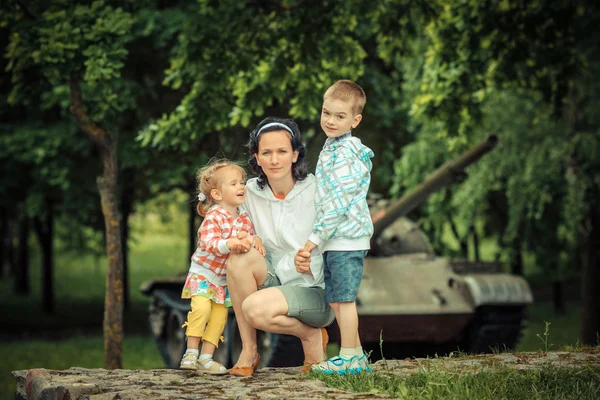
x: 343, y: 273
x: 304, y: 303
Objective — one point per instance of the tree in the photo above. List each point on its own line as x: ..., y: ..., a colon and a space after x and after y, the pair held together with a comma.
x: 477, y: 52
x: 81, y: 48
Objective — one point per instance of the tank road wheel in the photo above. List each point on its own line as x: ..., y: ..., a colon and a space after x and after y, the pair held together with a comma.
x: 174, y: 343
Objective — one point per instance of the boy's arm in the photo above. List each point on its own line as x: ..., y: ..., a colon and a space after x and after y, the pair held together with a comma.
x: 340, y: 190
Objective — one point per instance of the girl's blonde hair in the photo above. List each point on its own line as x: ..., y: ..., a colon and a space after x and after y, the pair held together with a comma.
x: 206, y: 180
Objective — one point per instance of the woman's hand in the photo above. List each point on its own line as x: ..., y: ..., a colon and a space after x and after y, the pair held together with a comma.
x: 258, y: 245
x: 302, y: 262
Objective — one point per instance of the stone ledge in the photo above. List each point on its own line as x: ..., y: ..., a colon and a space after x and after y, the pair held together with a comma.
x: 267, y: 384
x: 102, y: 384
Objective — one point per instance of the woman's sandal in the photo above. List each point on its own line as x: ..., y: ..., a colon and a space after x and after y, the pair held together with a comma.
x: 245, y: 371
x: 213, y: 368
x: 305, y: 368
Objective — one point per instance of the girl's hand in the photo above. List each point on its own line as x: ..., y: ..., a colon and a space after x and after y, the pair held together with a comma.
x: 258, y: 245
x: 238, y: 246
x: 302, y: 262
x: 245, y: 238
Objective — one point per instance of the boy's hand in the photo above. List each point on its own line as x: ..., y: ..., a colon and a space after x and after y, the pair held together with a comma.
x: 238, y: 246
x: 302, y: 262
x: 309, y: 246
x: 258, y: 245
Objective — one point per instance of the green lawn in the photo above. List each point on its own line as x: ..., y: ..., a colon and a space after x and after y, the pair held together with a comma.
x: 562, y: 333
x: 498, y: 383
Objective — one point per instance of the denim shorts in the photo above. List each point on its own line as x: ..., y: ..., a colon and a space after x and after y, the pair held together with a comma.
x: 343, y: 273
x: 304, y: 303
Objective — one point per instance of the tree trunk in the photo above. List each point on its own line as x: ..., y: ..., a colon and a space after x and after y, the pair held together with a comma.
x: 44, y: 229
x: 192, y: 231
x: 590, y: 282
x: 517, y: 260
x: 107, y: 185
x: 475, y: 237
x: 11, y: 256
x: 3, y: 240
x: 21, y: 270
x: 127, y: 189
x: 558, y: 298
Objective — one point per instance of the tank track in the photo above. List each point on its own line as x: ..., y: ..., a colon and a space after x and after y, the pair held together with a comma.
x: 495, y: 328
x: 172, y: 300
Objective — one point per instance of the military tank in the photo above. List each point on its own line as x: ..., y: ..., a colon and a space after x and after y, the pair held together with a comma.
x: 411, y: 303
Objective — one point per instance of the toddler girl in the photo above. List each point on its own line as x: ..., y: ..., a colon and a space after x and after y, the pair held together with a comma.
x: 221, y: 186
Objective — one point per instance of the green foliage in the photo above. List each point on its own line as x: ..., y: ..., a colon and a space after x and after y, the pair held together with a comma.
x: 103, y: 44
x: 86, y: 41
x: 526, y: 74
x: 238, y: 60
x: 42, y: 158
x: 476, y: 47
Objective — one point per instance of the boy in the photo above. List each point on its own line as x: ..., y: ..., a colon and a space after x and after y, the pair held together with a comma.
x: 344, y: 228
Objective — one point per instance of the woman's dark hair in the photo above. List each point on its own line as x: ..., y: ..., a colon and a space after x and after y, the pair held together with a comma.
x: 299, y: 169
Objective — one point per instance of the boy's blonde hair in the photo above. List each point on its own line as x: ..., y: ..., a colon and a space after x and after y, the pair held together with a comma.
x: 207, y: 180
x: 349, y: 91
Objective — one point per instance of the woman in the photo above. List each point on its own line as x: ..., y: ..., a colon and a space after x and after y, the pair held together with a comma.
x: 282, y: 293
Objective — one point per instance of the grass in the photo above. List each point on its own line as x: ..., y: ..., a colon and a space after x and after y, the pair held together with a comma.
x: 497, y: 383
x: 545, y: 331
x: 563, y: 331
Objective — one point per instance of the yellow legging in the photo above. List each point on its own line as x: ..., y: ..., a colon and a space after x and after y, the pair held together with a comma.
x: 206, y: 320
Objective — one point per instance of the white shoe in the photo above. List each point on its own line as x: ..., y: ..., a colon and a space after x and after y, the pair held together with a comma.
x: 363, y: 364
x: 210, y: 366
x: 337, y: 366
x: 189, y: 361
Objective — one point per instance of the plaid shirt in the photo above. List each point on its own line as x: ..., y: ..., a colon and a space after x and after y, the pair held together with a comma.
x: 343, y: 176
x: 218, y: 226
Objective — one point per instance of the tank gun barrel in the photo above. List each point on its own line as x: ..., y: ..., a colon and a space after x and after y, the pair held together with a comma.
x: 441, y: 177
